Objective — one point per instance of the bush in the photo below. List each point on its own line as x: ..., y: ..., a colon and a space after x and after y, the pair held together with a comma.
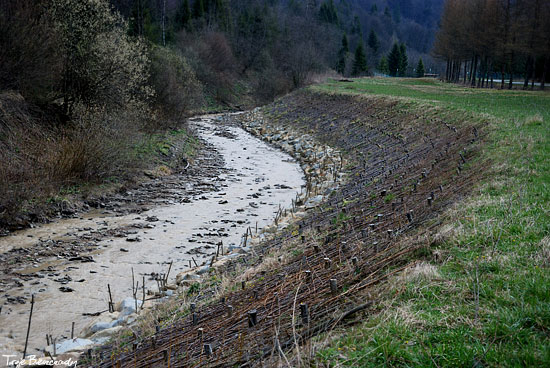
x: 29, y: 50
x: 102, y: 65
x: 217, y: 66
x: 96, y: 146
x: 177, y: 89
x: 38, y: 157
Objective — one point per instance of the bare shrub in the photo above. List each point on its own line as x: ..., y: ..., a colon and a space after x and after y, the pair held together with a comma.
x: 23, y: 140
x: 271, y: 83
x: 91, y: 150
x: 29, y: 49
x: 102, y: 65
x: 177, y: 89
x: 39, y: 157
x: 217, y: 65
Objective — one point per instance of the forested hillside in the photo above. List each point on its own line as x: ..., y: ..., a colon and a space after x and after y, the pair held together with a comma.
x: 272, y: 46
x: 259, y: 48
x: 83, y: 84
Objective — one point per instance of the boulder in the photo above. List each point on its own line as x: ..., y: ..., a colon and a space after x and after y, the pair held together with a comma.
x: 314, y: 201
x: 186, y: 276
x: 203, y: 270
x: 105, y: 333
x: 66, y: 346
x: 101, y: 323
x: 127, y: 306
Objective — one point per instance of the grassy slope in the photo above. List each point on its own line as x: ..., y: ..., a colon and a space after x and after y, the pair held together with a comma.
x: 495, y: 245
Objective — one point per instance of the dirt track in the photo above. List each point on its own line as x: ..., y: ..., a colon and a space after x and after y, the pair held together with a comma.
x: 406, y: 169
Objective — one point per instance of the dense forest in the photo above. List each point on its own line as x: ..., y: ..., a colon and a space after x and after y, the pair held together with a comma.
x: 261, y: 47
x: 486, y: 39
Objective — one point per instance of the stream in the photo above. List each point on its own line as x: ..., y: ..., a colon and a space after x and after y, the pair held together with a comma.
x: 258, y: 180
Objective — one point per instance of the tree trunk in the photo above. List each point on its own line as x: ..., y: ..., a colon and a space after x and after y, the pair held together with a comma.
x: 471, y: 70
x: 511, y: 83
x: 481, y: 80
x: 544, y: 71
x: 475, y: 71
x: 489, y: 74
x: 527, y: 73
x: 505, y: 43
x: 164, y: 23
x: 465, y: 72
x: 534, y: 74
x: 453, y: 72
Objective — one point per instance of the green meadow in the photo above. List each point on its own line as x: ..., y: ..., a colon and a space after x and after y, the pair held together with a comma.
x: 480, y: 294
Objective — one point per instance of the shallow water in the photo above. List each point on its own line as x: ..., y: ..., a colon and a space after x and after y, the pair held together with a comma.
x: 254, y: 168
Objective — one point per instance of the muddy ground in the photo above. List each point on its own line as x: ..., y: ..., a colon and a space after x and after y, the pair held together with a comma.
x: 77, y: 243
x: 171, y: 222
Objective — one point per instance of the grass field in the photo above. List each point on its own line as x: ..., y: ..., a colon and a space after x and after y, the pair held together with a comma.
x: 481, y: 297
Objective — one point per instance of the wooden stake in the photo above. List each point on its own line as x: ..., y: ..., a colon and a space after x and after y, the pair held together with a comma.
x: 333, y: 286
x: 309, y: 277
x: 207, y: 349
x: 168, y: 273
x: 304, y: 313
x: 252, y: 318
x: 28, y: 327
x: 143, y: 296
x: 111, y: 305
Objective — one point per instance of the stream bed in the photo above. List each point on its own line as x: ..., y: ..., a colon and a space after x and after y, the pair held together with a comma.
x: 257, y: 181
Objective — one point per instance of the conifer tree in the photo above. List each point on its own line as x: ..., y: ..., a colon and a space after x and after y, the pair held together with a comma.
x: 403, y: 60
x: 420, y: 69
x: 356, y: 25
x: 183, y: 16
x: 198, y: 9
x: 360, y: 61
x: 342, y: 54
x: 373, y: 42
x: 223, y: 15
x: 383, y: 65
x: 328, y: 13
x: 394, y: 60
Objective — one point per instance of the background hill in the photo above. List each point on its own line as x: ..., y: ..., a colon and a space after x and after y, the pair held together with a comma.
x: 275, y: 45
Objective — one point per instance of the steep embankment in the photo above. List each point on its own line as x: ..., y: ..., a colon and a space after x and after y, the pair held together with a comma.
x: 480, y: 296
x: 405, y: 165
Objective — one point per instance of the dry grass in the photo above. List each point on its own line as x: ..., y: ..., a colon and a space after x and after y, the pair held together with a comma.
x: 420, y: 272
x: 536, y: 119
x: 41, y: 156
x: 542, y: 256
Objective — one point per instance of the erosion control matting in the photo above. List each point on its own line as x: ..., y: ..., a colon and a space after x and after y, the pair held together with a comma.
x: 405, y: 166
